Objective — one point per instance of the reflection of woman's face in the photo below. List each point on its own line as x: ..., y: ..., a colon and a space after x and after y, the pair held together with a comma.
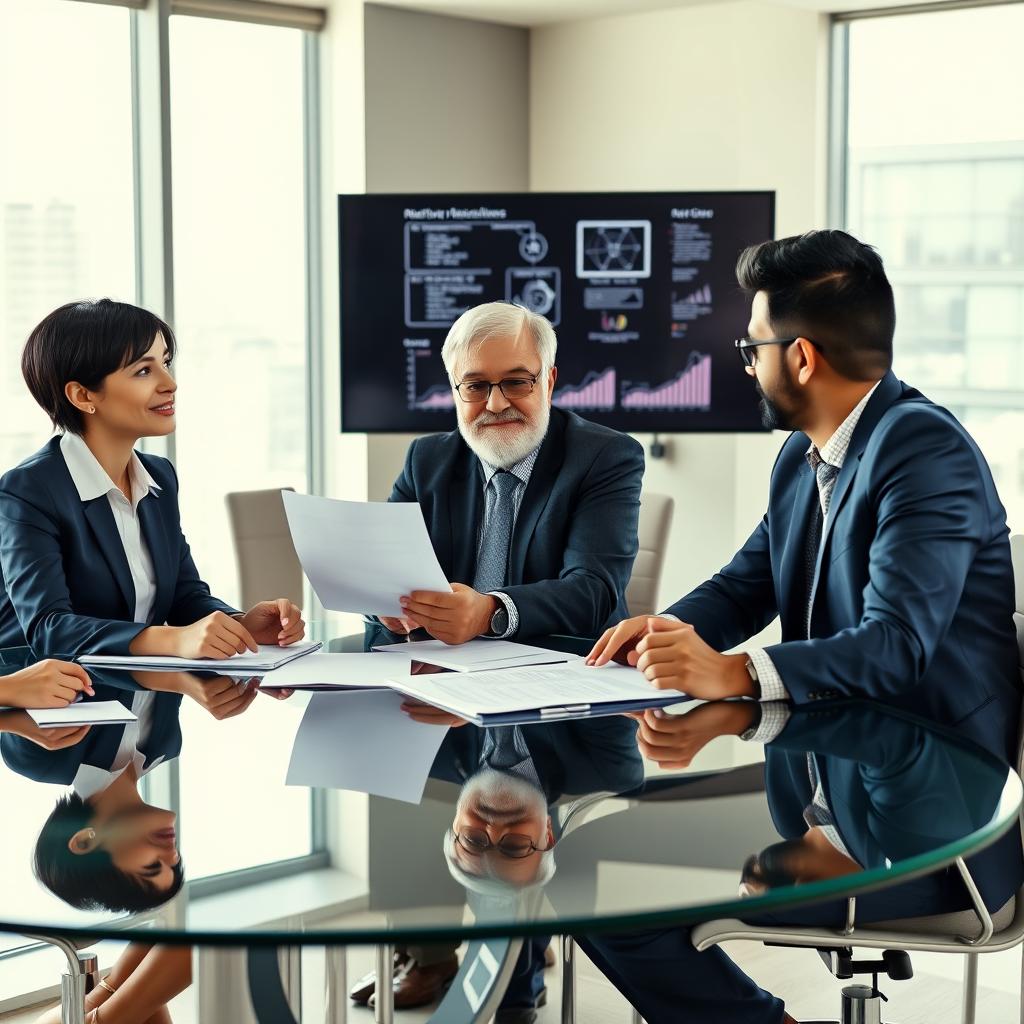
x: 142, y: 843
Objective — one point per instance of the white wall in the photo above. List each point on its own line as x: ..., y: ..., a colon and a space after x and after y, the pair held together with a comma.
x: 723, y: 96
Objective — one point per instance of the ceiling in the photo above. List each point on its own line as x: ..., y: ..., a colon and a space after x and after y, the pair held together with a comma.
x: 547, y: 12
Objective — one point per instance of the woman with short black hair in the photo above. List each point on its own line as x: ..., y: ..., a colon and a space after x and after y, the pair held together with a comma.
x: 92, y: 554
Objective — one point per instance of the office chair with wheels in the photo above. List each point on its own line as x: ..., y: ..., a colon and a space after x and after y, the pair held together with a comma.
x: 968, y: 933
x: 652, y: 530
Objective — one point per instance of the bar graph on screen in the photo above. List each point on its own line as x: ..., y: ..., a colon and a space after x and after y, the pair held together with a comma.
x: 690, y: 389
x: 595, y: 391
x: 436, y: 397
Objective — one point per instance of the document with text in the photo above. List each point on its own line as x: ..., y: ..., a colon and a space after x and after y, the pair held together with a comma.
x: 362, y: 556
x: 538, y: 693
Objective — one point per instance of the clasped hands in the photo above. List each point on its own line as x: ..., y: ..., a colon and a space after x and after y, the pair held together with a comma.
x: 673, y: 657
x: 452, y: 618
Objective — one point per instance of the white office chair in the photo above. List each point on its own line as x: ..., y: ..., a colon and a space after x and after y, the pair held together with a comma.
x: 967, y: 933
x: 653, y: 530
x: 267, y: 563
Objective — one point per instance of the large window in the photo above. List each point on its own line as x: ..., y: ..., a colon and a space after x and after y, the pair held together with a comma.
x: 66, y: 220
x: 935, y: 179
x: 239, y: 270
x: 74, y: 79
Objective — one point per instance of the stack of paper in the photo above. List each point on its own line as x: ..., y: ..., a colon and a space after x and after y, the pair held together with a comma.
x: 538, y: 694
x: 266, y: 659
x: 479, y: 655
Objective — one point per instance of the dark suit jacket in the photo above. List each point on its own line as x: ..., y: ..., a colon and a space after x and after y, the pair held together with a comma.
x: 896, y: 790
x: 99, y: 746
x: 587, y: 755
x: 575, y: 536
x: 913, y: 594
x: 66, y: 587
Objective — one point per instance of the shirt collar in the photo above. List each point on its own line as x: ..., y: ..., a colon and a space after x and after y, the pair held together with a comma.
x: 522, y: 469
x: 834, y: 450
x: 91, y: 479
x: 90, y: 780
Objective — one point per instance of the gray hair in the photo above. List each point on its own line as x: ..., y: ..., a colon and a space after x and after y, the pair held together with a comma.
x: 498, y: 320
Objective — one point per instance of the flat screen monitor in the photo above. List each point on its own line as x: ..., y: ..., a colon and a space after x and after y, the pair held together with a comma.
x: 640, y: 288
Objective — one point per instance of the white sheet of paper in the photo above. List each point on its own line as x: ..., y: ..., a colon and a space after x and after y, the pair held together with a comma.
x: 266, y: 659
x: 362, y: 556
x: 340, y: 671
x: 529, y: 689
x: 479, y: 655
x: 97, y: 712
x: 364, y: 742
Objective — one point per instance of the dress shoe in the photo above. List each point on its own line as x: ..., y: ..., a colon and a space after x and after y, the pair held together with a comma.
x: 362, y: 990
x: 417, y: 985
x: 521, y: 1014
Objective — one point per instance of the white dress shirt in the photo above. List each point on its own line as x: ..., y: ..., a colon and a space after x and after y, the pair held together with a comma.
x: 91, y: 481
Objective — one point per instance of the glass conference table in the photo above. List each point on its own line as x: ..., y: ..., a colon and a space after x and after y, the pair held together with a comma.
x: 629, y: 848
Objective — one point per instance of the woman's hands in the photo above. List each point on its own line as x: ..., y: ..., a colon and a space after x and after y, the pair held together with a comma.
x: 274, y: 622
x: 46, y: 684
x: 19, y: 723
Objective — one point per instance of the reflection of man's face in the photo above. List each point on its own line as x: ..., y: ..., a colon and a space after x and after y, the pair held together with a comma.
x: 502, y: 804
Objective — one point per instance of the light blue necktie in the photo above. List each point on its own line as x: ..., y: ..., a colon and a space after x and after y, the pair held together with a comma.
x: 492, y: 561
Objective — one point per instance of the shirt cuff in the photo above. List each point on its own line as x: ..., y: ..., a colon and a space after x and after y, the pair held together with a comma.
x: 772, y: 686
x: 774, y: 717
x: 513, y: 615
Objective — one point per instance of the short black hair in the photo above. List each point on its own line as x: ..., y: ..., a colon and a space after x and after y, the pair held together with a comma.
x: 85, y: 342
x: 829, y: 288
x: 90, y: 881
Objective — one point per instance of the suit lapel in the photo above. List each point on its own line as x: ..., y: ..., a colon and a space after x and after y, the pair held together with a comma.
x: 793, y: 572
x: 464, y: 515
x: 101, y: 521
x: 538, y: 492
x: 885, y: 394
x: 161, y: 552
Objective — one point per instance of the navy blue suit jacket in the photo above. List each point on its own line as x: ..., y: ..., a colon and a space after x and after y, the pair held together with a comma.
x: 66, y: 588
x: 895, y: 789
x: 913, y: 593
x: 99, y: 746
x: 575, y: 536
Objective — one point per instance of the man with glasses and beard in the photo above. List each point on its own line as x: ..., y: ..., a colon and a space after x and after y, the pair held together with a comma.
x: 885, y: 554
x: 532, y: 510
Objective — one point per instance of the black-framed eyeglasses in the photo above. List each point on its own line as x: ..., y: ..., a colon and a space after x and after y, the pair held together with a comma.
x: 475, y: 391
x: 477, y: 841
x: 747, y: 347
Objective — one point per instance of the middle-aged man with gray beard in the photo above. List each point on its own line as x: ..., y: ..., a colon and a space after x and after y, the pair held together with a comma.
x: 532, y: 510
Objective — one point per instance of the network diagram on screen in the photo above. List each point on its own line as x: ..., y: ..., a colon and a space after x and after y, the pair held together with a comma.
x: 640, y: 288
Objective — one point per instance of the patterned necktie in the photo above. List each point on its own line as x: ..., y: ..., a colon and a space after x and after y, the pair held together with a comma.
x: 505, y: 750
x: 825, y: 475
x: 492, y: 562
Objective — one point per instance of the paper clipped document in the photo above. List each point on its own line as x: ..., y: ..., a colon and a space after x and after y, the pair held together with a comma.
x: 363, y: 741
x: 267, y: 658
x: 339, y: 672
x: 97, y: 712
x: 362, y: 556
x: 479, y: 655
x: 538, y: 693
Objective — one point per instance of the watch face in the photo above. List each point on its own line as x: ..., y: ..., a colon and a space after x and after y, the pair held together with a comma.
x: 499, y: 621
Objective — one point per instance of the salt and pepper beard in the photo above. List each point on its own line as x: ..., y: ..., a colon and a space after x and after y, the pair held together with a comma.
x: 504, y: 452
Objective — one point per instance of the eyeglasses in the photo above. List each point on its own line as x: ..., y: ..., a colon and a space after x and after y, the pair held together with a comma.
x: 747, y: 347
x: 476, y: 391
x: 477, y: 841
